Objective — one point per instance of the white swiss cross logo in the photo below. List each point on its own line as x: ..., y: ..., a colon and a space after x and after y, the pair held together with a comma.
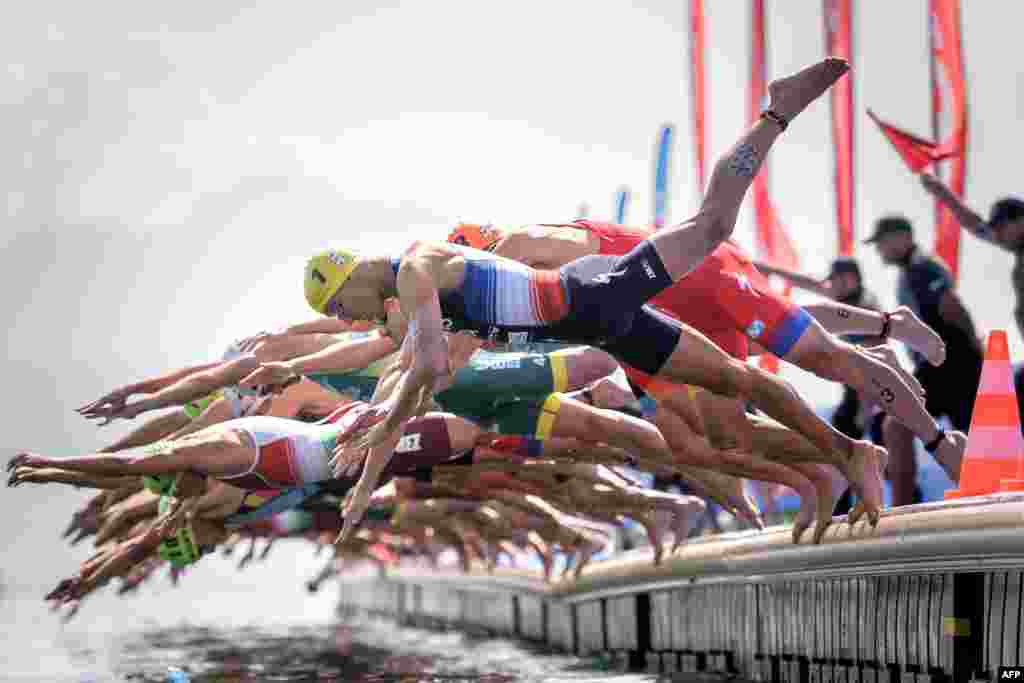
x: 743, y: 282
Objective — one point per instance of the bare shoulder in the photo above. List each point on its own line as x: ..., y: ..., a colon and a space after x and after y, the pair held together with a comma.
x: 430, y: 250
x: 444, y: 263
x: 546, y: 245
x: 551, y: 231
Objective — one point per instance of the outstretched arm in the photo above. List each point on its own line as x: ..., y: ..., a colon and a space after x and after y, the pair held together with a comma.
x: 323, y: 325
x: 968, y: 219
x: 797, y: 279
x: 194, y: 387
x: 345, y: 356
x: 425, y: 359
x: 425, y: 350
x: 116, y: 398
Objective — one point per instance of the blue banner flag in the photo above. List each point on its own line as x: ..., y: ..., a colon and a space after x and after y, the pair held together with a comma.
x: 661, y: 175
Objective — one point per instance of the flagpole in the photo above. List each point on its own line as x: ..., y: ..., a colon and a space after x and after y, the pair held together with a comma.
x: 621, y: 204
x: 661, y: 171
x: 936, y: 105
x: 698, y: 101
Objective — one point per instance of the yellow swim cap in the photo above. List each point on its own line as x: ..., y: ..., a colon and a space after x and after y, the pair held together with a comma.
x: 326, y: 272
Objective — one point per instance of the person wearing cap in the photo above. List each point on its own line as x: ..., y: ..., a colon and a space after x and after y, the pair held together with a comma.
x: 844, y: 283
x: 926, y: 286
x: 1004, y: 228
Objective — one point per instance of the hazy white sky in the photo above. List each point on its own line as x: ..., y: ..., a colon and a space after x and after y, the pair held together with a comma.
x: 168, y: 168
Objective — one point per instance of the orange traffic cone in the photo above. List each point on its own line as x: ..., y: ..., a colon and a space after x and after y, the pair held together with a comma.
x: 994, y: 458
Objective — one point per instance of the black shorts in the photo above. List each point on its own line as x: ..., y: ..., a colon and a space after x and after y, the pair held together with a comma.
x: 607, y: 297
x: 950, y: 389
x: 844, y: 419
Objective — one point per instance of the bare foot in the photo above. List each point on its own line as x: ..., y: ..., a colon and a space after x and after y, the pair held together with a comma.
x: 736, y: 499
x: 950, y: 454
x: 887, y: 355
x: 909, y: 329
x: 828, y: 493
x: 654, y: 522
x: 464, y: 559
x: 545, y: 554
x: 808, y: 507
x: 804, y: 518
x: 823, y: 514
x: 686, y: 516
x: 864, y: 472
x: 492, y: 556
x: 791, y: 95
x: 433, y: 557
x: 755, y: 515
x: 744, y: 507
x: 855, y: 513
x: 587, y: 549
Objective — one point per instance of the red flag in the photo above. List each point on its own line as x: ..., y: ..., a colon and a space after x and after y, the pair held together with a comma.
x: 772, y: 237
x: 697, y: 87
x: 838, y: 16
x: 947, y: 68
x: 916, y: 152
x: 758, y: 67
x: 773, y: 242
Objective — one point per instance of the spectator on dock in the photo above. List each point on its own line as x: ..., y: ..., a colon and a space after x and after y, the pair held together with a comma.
x: 926, y: 286
x: 1005, y: 229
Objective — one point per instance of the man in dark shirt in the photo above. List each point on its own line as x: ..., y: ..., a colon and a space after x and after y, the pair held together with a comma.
x: 926, y: 286
x: 845, y: 284
x: 1005, y: 229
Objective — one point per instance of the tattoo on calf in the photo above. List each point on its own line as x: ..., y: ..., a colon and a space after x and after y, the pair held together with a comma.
x: 744, y: 160
x: 885, y: 393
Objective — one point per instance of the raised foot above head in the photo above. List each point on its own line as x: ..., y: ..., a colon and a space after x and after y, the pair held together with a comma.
x: 792, y: 94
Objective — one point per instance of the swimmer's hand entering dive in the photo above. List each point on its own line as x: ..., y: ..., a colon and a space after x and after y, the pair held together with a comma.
x: 358, y: 499
x: 269, y: 373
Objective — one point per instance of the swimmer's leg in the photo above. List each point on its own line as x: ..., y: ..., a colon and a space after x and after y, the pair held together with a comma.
x: 682, y: 247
